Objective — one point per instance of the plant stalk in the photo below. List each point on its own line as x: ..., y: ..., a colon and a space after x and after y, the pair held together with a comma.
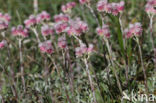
x: 142, y: 65
x: 21, y: 64
x: 113, y: 69
x: 90, y: 79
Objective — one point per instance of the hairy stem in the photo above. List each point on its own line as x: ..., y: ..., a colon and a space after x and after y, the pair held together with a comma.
x: 90, y: 79
x: 13, y: 87
x: 113, y: 69
x: 58, y: 71
x: 35, y: 6
x: 142, y: 65
x: 122, y: 31
x: 151, y: 31
x: 151, y: 37
x: 70, y: 69
x: 12, y: 75
x: 21, y: 64
x: 93, y: 13
x: 36, y: 34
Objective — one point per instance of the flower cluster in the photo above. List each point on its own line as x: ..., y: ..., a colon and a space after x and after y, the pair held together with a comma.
x: 61, y: 22
x: 31, y: 21
x: 149, y: 8
x: 77, y: 27
x: 104, y: 31
x: 67, y: 8
x: 60, y: 27
x: 19, y: 31
x: 114, y: 8
x: 46, y: 47
x: 3, y: 25
x: 62, y: 43
x: 4, y: 21
x: 43, y: 16
x: 3, y: 43
x: 133, y: 30
x: 61, y: 18
x: 83, y: 49
x: 47, y: 30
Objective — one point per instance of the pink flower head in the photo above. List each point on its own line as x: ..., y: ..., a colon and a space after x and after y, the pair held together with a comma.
x: 134, y: 29
x: 19, y: 31
x: 103, y: 6
x: 3, y: 25
x: 83, y: 1
x: 62, y: 43
x: 46, y: 30
x: 83, y: 26
x: 43, y: 16
x: 114, y: 8
x: 77, y: 27
x: 104, y: 31
x: 61, y: 18
x: 3, y: 43
x: 121, y: 6
x: 4, y: 21
x: 5, y: 18
x: 46, y: 47
x: 149, y: 8
x: 31, y: 21
x: 60, y: 27
x: 68, y: 7
x: 83, y: 49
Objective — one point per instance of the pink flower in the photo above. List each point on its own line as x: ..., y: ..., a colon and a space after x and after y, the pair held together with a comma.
x: 43, y: 16
x: 31, y: 21
x: 3, y: 25
x: 61, y: 18
x: 62, y: 43
x: 103, y: 6
x: 149, y: 8
x: 4, y: 21
x: 46, y: 47
x: 83, y: 1
x: 46, y: 30
x: 5, y: 18
x: 77, y: 27
x: 19, y: 31
x: 3, y: 43
x: 121, y: 6
x: 114, y: 8
x: 68, y: 7
x: 104, y: 31
x: 83, y: 49
x: 133, y: 30
x: 60, y: 27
